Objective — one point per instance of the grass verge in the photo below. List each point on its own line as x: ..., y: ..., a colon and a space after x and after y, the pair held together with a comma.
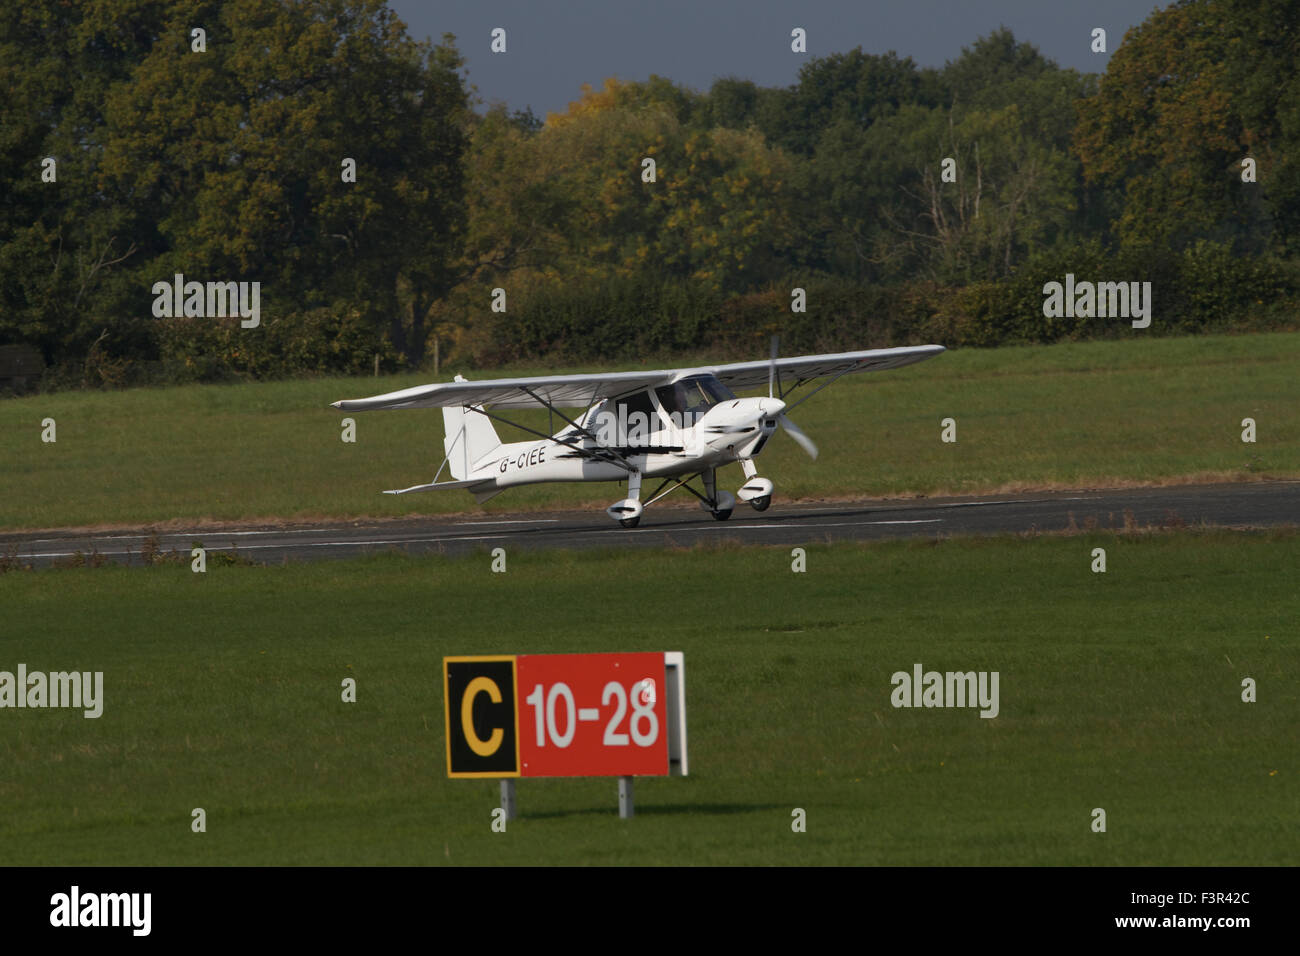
x: 1119, y: 690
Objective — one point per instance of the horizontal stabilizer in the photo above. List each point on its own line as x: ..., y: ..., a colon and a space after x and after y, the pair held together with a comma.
x: 478, y: 483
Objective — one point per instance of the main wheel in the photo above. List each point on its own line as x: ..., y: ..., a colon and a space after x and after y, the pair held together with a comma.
x: 721, y: 515
x: 761, y: 504
x: 630, y: 522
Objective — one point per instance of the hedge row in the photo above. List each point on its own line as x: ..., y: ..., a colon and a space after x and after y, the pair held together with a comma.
x: 1202, y: 288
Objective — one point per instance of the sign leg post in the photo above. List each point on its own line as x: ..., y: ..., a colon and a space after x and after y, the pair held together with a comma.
x: 625, y: 805
x: 508, y: 799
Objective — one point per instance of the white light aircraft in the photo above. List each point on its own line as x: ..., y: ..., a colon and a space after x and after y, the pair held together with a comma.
x: 675, y: 424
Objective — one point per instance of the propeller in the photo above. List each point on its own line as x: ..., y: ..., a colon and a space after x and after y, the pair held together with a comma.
x: 771, y: 369
x: 798, y: 435
x: 773, y: 384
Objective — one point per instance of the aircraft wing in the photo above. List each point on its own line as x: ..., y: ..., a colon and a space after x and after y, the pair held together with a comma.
x: 559, y: 391
x: 581, y: 391
x: 804, y: 367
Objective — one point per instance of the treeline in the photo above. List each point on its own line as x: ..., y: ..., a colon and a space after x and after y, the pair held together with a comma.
x: 907, y: 204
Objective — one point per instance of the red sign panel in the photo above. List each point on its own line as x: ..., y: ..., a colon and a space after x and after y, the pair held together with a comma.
x: 592, y: 715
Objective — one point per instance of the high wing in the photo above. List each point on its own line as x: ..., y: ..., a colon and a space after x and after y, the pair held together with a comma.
x: 582, y: 391
x: 804, y: 367
x: 557, y: 391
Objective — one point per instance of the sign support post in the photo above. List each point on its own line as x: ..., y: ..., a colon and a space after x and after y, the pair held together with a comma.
x: 508, y: 798
x: 625, y: 807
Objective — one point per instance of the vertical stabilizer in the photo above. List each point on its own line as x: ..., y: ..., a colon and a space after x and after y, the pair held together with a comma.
x: 469, y: 439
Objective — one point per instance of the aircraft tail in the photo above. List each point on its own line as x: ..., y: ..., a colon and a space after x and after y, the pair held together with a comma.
x: 469, y: 439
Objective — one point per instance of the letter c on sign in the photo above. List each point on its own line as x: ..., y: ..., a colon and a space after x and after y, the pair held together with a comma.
x: 480, y: 685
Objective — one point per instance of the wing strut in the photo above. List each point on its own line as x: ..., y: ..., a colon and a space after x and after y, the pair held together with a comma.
x: 832, y: 379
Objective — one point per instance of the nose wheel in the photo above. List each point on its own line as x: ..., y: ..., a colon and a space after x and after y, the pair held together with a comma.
x: 757, y: 491
x: 630, y: 522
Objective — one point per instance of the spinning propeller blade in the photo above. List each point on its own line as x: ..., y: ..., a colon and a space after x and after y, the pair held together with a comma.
x: 798, y: 435
x: 771, y: 369
x: 795, y: 431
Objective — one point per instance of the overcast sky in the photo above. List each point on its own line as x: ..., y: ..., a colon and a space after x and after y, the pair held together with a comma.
x: 554, y: 46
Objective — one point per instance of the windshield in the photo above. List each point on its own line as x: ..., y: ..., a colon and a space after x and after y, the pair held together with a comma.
x: 687, y: 401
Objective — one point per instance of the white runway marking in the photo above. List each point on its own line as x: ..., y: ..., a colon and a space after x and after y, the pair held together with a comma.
x: 512, y: 521
x: 723, y: 526
x: 912, y: 521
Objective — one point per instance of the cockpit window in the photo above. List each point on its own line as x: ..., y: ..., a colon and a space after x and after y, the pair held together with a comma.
x: 687, y: 401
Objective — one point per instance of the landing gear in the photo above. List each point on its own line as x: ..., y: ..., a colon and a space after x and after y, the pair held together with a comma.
x: 628, y: 511
x: 757, y: 491
x: 717, y: 503
x: 720, y: 504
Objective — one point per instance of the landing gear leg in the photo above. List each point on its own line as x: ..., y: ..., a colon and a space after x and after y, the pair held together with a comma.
x: 757, y: 491
x: 720, y: 504
x: 628, y: 511
x: 633, y: 492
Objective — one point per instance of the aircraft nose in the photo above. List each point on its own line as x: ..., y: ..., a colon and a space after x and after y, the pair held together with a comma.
x: 771, y: 407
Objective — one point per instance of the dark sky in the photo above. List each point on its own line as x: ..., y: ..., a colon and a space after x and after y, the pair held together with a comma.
x: 554, y: 46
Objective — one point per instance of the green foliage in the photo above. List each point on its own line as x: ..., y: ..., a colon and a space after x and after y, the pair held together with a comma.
x: 226, y: 165
x: 1195, y: 89
x: 1202, y: 288
x: 623, y: 316
x: 313, y: 341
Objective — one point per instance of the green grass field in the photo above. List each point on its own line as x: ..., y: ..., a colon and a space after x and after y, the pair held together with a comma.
x: 1074, y: 415
x: 1119, y: 690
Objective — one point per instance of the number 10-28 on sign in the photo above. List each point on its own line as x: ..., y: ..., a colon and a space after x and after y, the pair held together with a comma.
x: 587, y: 715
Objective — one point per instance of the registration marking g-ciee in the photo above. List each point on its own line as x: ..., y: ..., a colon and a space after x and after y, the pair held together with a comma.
x: 534, y: 456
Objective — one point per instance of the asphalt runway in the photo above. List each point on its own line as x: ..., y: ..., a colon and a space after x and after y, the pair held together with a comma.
x: 1253, y: 505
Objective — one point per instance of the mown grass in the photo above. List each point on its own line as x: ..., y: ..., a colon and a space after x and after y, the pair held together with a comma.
x: 1083, y: 414
x: 1119, y: 690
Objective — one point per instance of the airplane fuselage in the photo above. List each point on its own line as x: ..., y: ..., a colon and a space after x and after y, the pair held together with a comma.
x: 729, y: 431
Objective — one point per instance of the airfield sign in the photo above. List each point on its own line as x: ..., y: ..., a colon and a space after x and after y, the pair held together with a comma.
x: 565, y: 715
